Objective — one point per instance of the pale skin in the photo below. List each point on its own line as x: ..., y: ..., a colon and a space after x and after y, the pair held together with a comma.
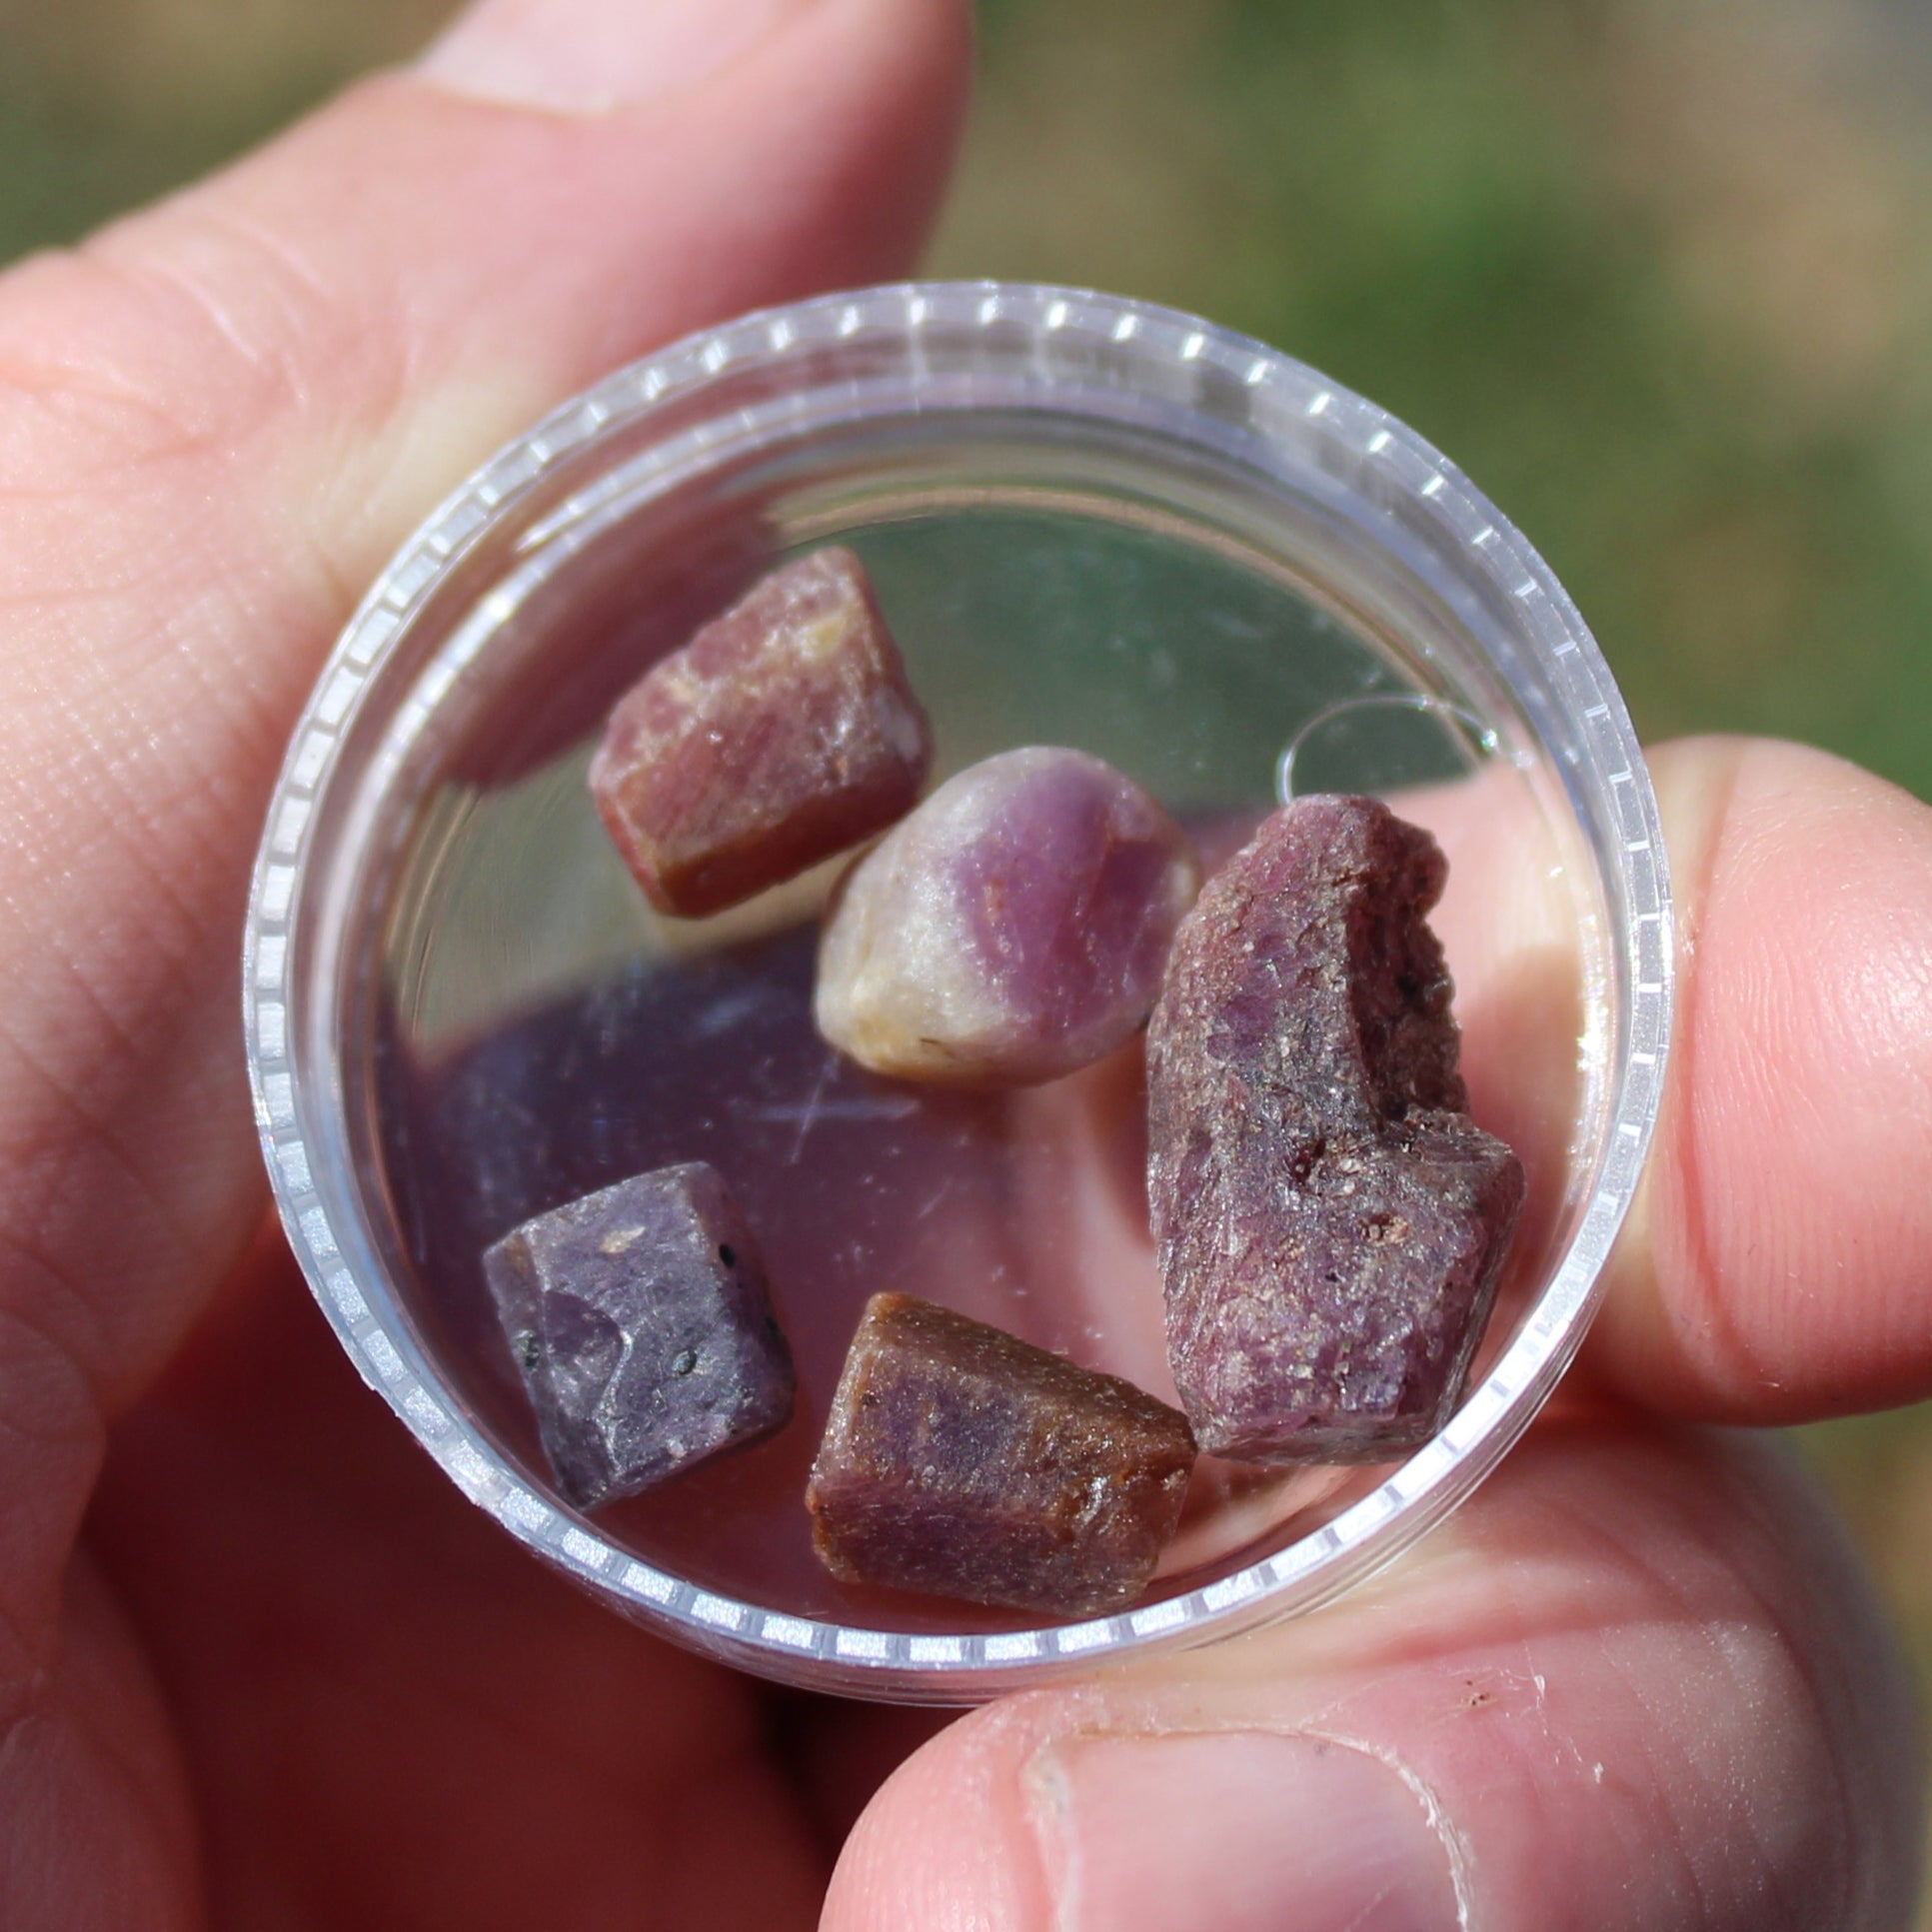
x: 261, y: 1667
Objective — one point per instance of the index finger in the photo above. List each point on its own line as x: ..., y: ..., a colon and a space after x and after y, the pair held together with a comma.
x: 1778, y: 1264
x: 1775, y: 1263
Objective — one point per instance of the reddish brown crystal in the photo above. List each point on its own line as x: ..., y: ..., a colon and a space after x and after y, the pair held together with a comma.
x: 784, y: 733
x: 1330, y: 1221
x: 960, y: 1461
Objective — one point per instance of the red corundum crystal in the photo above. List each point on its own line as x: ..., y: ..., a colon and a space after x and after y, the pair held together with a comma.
x: 781, y: 734
x: 1011, y: 930
x: 962, y: 1461
x: 642, y: 1327
x: 1330, y: 1221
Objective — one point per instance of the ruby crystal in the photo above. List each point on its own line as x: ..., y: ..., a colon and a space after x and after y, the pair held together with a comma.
x: 641, y: 1322
x: 781, y: 734
x: 1330, y: 1221
x: 1011, y: 930
x: 962, y: 1461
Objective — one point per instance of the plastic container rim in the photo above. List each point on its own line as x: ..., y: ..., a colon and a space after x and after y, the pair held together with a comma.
x: 1050, y: 336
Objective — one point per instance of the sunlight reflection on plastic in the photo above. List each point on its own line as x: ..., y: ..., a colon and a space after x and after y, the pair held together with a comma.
x: 1383, y: 744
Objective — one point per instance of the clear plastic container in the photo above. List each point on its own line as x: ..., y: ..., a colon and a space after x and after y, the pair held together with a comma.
x: 1090, y: 522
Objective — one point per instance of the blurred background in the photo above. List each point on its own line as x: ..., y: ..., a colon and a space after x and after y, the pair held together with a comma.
x: 1657, y: 273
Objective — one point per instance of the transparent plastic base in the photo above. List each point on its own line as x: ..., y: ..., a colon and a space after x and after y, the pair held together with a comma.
x: 1089, y: 523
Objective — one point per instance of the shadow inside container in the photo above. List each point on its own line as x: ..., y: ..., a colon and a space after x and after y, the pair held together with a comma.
x: 1024, y: 1208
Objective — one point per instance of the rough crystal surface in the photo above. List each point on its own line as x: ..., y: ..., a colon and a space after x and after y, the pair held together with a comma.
x: 642, y: 1325
x: 1011, y: 930
x: 1330, y: 1221
x: 782, y: 732
x: 962, y: 1461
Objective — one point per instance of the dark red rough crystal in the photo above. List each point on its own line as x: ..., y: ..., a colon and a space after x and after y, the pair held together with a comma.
x: 640, y: 1321
x: 962, y: 1461
x: 784, y: 733
x: 1330, y: 1221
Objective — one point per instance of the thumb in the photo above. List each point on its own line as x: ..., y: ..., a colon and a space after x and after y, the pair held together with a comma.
x: 1636, y: 1683
x: 215, y: 420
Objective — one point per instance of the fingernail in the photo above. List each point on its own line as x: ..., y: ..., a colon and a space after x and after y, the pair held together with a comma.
x: 1244, y: 1831
x: 592, y: 56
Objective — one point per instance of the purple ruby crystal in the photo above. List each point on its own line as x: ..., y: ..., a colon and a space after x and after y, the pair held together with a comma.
x: 781, y: 734
x: 643, y: 1327
x: 1330, y: 1222
x: 1011, y: 930
x: 960, y: 1461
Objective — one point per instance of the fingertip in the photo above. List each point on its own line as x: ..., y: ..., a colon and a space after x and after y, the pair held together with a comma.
x: 945, y: 1845
x: 1774, y: 1270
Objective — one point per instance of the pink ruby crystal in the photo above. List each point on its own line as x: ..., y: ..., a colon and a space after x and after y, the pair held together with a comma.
x: 784, y: 733
x: 960, y: 1461
x: 1330, y: 1221
x: 1011, y: 930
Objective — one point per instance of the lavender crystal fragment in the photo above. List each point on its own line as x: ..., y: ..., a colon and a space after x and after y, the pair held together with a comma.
x: 1011, y: 930
x: 1330, y: 1222
x: 784, y: 733
x: 641, y: 1322
x: 962, y: 1461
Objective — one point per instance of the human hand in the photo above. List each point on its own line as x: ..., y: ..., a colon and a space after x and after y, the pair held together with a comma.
x: 1637, y: 1681
x: 279, y: 1679
x: 285, y: 1678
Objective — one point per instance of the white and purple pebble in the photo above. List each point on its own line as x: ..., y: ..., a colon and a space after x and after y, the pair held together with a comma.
x: 1011, y: 930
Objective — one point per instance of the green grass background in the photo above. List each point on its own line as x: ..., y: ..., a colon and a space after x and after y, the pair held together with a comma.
x: 1657, y: 273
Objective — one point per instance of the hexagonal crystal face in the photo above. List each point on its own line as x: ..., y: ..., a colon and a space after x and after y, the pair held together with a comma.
x: 640, y: 1319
